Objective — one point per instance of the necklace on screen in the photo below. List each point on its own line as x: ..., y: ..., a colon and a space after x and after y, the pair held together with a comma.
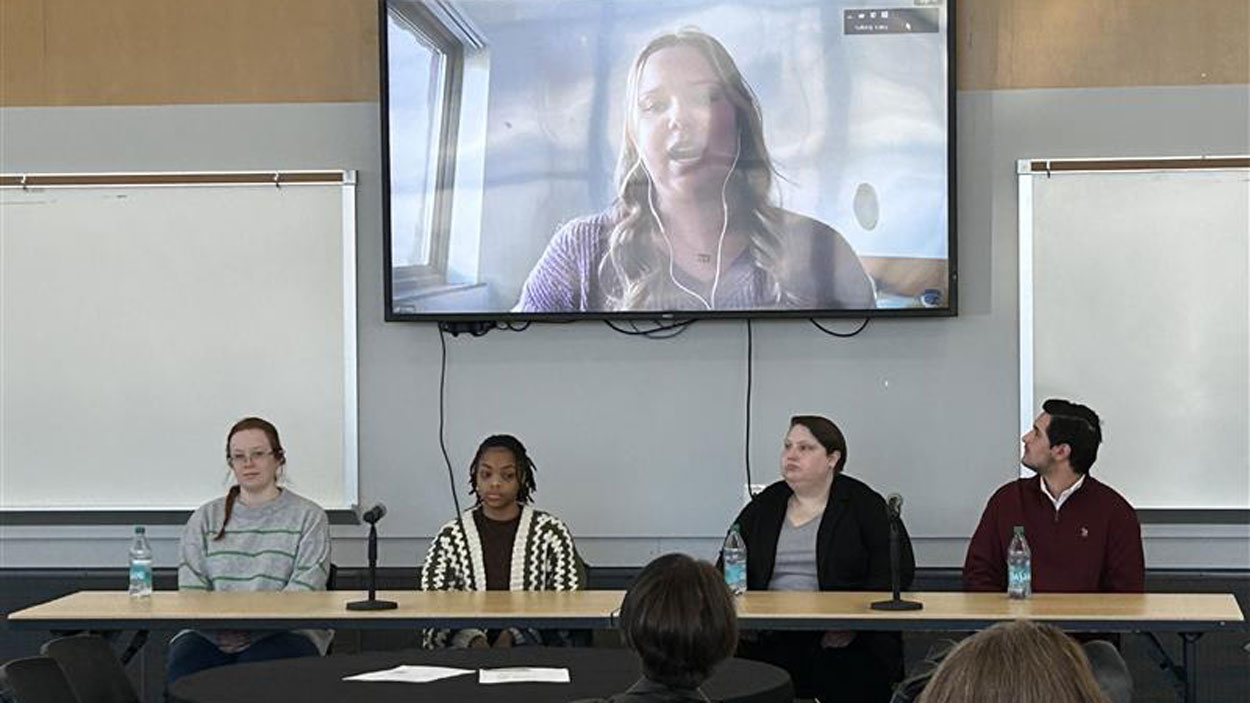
x: 710, y: 301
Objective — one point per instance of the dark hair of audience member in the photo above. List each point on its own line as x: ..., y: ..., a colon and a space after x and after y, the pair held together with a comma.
x: 1015, y: 662
x: 679, y: 617
x: 825, y: 432
x: 275, y: 445
x: 525, y: 467
x: 1078, y: 427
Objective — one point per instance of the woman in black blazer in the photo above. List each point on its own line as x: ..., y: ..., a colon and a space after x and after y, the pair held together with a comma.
x: 819, y: 529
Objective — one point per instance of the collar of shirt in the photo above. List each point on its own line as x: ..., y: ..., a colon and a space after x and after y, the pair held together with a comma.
x: 1063, y: 497
x: 646, y: 686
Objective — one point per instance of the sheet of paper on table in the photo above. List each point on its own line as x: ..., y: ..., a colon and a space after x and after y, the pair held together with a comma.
x: 523, y: 674
x: 410, y: 674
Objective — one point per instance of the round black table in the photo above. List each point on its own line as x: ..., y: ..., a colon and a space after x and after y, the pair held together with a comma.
x: 592, y: 672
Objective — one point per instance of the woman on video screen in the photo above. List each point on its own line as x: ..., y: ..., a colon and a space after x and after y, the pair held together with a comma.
x: 693, y: 226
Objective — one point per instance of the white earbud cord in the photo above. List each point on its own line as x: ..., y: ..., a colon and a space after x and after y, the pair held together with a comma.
x: 710, y: 302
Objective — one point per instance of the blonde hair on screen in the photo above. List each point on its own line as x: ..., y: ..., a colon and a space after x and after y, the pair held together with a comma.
x: 635, y: 243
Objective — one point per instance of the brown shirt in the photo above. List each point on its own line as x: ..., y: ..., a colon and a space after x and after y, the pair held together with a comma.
x: 497, y: 539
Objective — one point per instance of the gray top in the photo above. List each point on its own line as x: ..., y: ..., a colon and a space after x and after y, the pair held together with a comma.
x: 280, y: 545
x: 795, y: 568
x: 819, y: 271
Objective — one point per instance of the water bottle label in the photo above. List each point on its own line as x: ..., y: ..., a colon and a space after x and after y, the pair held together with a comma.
x: 1018, y: 579
x: 140, y: 578
x: 735, y: 574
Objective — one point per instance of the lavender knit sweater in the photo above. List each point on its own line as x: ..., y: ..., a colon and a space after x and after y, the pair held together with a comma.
x: 820, y: 272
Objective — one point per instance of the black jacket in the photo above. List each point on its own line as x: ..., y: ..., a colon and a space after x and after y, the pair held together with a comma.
x: 852, y: 550
x: 852, y: 542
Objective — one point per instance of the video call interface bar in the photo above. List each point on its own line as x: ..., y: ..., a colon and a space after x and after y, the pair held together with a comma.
x: 891, y: 20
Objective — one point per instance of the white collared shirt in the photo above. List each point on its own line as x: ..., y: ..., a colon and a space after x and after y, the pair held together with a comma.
x: 1063, y: 497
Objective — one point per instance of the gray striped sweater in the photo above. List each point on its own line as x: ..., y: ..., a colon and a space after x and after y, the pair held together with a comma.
x: 281, y: 545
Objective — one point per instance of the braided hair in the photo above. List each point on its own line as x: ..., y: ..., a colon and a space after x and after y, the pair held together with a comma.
x: 525, y: 467
x: 275, y: 445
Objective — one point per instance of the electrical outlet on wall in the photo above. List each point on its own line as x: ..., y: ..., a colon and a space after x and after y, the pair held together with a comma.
x: 750, y: 489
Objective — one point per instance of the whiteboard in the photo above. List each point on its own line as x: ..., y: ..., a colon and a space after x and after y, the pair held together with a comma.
x: 138, y: 322
x: 1134, y: 300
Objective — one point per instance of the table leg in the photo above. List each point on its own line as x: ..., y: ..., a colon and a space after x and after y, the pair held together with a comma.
x: 1190, y: 640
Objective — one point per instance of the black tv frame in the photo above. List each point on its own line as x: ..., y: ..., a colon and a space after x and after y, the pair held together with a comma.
x: 504, y: 317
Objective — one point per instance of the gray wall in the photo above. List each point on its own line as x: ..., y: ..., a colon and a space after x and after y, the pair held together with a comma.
x: 639, y: 443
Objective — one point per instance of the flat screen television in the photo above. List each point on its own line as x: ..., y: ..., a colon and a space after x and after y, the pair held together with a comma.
x: 557, y: 159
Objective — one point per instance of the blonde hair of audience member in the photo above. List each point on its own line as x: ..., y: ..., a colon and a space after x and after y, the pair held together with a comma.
x: 1015, y: 662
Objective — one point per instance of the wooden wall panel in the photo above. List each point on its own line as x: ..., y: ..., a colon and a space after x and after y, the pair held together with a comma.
x: 127, y: 52
x: 1102, y: 43
x: 21, y: 52
x: 135, y: 52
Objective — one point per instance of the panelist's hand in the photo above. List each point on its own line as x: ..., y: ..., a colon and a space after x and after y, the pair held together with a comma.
x: 504, y: 639
x: 837, y: 639
x: 479, y: 642
x: 231, y: 641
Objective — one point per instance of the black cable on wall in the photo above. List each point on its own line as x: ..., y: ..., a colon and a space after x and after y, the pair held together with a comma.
x: 746, y: 439
x: 660, y: 330
x: 442, y: 415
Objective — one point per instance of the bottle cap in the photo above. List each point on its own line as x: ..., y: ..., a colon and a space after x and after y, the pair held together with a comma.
x: 140, y: 529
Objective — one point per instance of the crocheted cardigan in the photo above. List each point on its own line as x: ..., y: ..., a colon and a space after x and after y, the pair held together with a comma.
x: 543, y: 559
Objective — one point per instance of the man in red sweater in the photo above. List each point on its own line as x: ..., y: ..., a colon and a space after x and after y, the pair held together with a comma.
x: 1084, y: 537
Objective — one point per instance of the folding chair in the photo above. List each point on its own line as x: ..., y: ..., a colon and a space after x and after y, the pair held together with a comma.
x: 92, y: 668
x: 38, y: 680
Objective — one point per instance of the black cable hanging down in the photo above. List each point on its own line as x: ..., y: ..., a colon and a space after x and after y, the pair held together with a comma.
x: 664, y: 329
x: 442, y: 414
x: 835, y: 333
x: 477, y: 328
x: 746, y: 441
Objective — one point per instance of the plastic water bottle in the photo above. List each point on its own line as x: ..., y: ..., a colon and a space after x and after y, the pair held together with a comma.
x: 734, y: 558
x: 140, y: 564
x: 1019, y: 566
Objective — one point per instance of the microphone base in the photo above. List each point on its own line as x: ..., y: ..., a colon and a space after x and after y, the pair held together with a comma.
x: 896, y: 604
x: 372, y: 604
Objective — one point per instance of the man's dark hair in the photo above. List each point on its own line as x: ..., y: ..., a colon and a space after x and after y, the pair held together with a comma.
x: 525, y: 467
x: 679, y: 617
x: 825, y: 432
x: 1078, y: 427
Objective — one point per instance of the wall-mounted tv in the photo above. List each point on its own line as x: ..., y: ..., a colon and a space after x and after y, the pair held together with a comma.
x: 554, y: 159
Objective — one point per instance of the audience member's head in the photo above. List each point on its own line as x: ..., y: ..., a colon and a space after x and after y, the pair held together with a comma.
x: 1015, y: 662
x: 679, y: 617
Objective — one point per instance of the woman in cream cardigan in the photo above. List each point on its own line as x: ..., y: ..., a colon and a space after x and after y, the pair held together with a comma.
x: 500, y: 544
